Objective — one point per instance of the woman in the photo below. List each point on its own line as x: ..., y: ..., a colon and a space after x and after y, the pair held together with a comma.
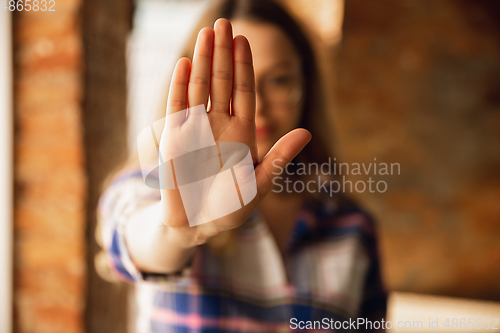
x: 281, y: 262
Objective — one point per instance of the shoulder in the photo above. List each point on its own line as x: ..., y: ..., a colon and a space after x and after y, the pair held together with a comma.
x: 126, y: 186
x: 342, y: 217
x: 340, y: 212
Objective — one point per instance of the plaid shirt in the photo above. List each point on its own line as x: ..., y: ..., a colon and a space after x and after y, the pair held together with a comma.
x: 331, y: 270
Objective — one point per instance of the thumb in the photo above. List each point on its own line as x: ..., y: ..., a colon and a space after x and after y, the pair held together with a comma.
x: 282, y: 153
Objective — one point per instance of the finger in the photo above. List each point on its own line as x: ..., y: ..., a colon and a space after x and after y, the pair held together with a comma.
x: 282, y: 153
x: 243, y: 102
x: 177, y: 95
x: 199, y: 79
x: 222, y: 68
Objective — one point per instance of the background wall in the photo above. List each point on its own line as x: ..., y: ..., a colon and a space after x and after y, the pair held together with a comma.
x: 418, y: 83
x: 70, y: 132
x: 106, y: 24
x: 50, y: 180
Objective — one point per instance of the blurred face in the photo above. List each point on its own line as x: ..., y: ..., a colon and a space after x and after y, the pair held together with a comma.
x: 278, y: 80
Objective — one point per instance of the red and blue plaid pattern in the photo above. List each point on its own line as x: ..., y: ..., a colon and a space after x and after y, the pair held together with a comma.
x: 330, y: 270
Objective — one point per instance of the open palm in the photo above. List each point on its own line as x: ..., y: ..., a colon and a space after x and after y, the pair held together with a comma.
x: 222, y: 77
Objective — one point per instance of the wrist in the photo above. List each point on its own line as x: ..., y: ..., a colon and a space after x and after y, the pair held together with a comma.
x: 188, y: 237
x: 176, y: 229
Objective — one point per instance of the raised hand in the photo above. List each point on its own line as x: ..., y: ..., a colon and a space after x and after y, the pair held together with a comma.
x: 222, y: 77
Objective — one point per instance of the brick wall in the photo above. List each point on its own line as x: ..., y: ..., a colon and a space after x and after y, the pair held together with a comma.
x: 418, y: 84
x: 50, y: 183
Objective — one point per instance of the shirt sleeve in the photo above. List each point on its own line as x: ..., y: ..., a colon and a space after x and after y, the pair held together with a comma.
x: 374, y: 303
x: 122, y: 197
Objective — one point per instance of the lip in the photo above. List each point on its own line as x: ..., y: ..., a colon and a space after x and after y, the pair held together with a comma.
x: 263, y: 132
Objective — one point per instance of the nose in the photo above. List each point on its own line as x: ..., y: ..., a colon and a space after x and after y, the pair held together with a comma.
x: 259, y: 103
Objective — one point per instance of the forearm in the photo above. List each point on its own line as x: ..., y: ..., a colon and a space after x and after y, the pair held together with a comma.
x: 153, y: 246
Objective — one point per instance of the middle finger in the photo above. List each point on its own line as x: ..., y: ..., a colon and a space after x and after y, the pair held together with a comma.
x: 222, y: 68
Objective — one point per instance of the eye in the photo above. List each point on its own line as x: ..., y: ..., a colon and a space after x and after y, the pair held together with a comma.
x: 281, y: 80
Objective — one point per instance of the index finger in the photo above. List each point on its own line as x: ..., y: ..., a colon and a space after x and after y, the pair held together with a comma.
x: 177, y: 95
x: 199, y: 79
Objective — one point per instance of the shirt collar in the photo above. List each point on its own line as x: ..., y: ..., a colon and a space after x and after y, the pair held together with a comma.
x: 313, y: 211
